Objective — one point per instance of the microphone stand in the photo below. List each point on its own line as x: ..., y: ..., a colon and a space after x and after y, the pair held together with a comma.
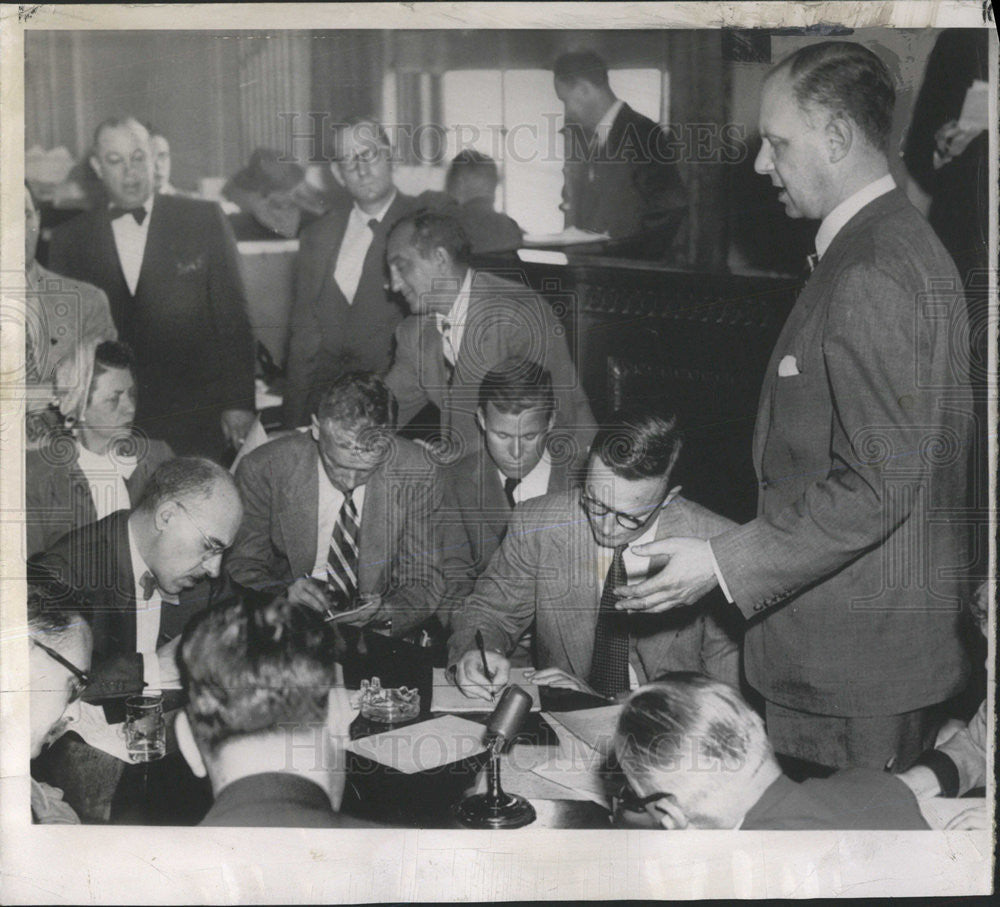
x: 496, y: 808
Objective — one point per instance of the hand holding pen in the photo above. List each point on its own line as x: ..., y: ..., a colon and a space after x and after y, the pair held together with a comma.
x: 481, y: 673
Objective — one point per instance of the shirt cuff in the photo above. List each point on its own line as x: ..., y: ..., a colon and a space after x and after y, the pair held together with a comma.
x: 151, y: 672
x: 719, y: 576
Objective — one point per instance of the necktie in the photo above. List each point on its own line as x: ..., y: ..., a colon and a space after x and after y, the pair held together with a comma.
x: 812, y: 259
x: 509, y: 485
x: 342, y: 557
x: 147, y: 582
x: 138, y: 213
x: 609, y: 667
x: 448, y: 349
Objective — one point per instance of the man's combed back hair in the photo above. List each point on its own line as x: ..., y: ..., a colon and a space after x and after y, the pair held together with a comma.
x: 517, y: 385
x: 359, y: 400
x: 639, y: 442
x: 433, y: 230
x: 582, y: 65
x: 116, y: 123
x: 367, y: 130
x: 255, y: 667
x: 472, y: 164
x: 183, y: 479
x: 846, y: 78
x: 683, y: 716
x: 53, y: 610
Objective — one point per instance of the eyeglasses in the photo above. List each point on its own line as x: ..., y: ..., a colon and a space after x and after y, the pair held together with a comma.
x: 82, y: 677
x: 594, y: 508
x: 628, y: 799
x: 213, y: 547
x: 367, y: 156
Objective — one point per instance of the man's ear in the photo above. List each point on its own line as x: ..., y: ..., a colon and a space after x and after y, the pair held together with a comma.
x: 163, y: 515
x: 839, y: 138
x: 480, y: 419
x: 95, y: 165
x: 314, y: 427
x: 187, y: 746
x: 337, y: 175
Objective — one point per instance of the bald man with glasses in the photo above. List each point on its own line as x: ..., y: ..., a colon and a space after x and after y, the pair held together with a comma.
x: 564, y: 556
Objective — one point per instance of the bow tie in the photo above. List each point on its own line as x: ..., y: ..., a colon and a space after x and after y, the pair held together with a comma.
x: 138, y: 213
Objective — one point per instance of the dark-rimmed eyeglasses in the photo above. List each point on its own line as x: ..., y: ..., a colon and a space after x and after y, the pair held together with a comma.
x: 595, y: 509
x: 213, y: 547
x: 628, y: 799
x: 367, y: 156
x: 82, y: 678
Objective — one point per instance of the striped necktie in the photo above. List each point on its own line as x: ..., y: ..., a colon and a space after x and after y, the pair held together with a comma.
x: 609, y: 665
x: 342, y: 556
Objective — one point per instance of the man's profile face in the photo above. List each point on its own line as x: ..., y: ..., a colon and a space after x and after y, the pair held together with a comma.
x: 609, y: 495
x: 418, y: 279
x: 364, y: 165
x: 350, y: 454
x: 193, y: 536
x: 793, y: 151
x: 53, y: 685
x: 577, y: 102
x: 160, y: 148
x: 515, y: 441
x: 123, y: 161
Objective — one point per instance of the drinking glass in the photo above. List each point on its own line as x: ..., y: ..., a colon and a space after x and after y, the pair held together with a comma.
x: 145, y: 728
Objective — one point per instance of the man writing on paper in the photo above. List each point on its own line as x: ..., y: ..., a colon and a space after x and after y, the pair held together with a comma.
x: 563, y: 556
x: 851, y: 590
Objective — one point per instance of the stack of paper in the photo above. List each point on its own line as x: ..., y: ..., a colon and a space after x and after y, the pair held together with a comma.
x: 449, y: 698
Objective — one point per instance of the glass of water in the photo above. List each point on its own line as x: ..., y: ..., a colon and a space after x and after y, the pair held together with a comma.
x: 145, y: 728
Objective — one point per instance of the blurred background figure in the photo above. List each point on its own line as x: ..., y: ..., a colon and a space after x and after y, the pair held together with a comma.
x: 93, y: 464
x: 160, y: 147
x: 472, y: 182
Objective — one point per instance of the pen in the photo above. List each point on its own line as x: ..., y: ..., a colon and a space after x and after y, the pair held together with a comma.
x: 482, y: 654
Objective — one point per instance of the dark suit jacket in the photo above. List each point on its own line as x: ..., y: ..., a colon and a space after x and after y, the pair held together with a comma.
x: 328, y: 336
x: 187, y: 322
x: 546, y: 569
x: 856, y: 798
x: 855, y: 561
x: 488, y: 230
x: 473, y: 521
x: 630, y: 186
x: 277, y: 800
x: 57, y: 497
x: 276, y: 544
x: 96, y: 564
x: 504, y: 319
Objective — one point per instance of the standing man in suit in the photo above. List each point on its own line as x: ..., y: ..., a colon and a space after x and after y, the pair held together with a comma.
x: 516, y: 414
x: 139, y: 575
x: 851, y: 584
x: 342, y: 513
x: 463, y: 324
x: 621, y: 175
x: 564, y: 556
x: 342, y: 317
x: 170, y: 269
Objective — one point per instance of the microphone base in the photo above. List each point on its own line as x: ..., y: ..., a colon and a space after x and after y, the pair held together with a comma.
x: 483, y: 811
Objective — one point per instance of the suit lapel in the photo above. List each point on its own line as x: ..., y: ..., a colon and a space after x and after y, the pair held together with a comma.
x: 326, y: 263
x: 125, y: 593
x: 496, y: 510
x: 373, y: 533
x: 156, y: 253
x: 298, y: 506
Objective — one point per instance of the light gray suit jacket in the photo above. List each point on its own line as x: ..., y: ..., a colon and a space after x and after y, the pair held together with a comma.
x: 546, y: 569
x: 397, y: 557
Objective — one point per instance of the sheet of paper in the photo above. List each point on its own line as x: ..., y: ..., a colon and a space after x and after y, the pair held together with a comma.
x: 449, y: 698
x: 595, y: 727
x: 424, y: 746
x: 571, y: 236
x: 579, y: 774
x: 975, y: 108
x: 93, y: 727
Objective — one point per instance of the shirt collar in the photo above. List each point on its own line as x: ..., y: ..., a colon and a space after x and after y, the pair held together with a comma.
x: 139, y: 566
x: 378, y: 215
x: 539, y: 475
x: 602, y: 129
x: 835, y: 221
x: 459, y: 308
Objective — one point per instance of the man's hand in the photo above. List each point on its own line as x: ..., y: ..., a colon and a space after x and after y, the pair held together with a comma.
x: 557, y: 677
x: 236, y: 424
x: 307, y: 591
x: 361, y: 615
x: 470, y: 678
x: 975, y: 818
x: 687, y: 576
x: 950, y: 141
x: 170, y: 675
x: 922, y: 781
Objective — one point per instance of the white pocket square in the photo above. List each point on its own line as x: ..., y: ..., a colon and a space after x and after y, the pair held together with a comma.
x: 788, y: 367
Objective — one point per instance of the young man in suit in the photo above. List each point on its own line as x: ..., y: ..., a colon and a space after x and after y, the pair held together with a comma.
x: 464, y: 323
x: 516, y: 414
x: 265, y: 719
x: 564, y: 557
x: 341, y: 514
x: 139, y: 576
x: 170, y: 269
x: 472, y: 183
x: 852, y: 584
x: 342, y: 316
x: 621, y: 173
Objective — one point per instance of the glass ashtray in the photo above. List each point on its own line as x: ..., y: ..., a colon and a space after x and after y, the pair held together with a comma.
x: 386, y: 705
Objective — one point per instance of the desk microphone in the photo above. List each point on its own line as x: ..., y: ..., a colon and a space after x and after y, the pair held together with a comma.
x: 495, y: 808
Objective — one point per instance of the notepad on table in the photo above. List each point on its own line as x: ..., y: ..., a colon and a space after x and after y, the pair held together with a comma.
x: 449, y: 698
x: 423, y: 747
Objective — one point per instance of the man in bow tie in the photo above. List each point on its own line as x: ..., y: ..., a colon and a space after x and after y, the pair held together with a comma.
x: 852, y: 573
x: 170, y: 270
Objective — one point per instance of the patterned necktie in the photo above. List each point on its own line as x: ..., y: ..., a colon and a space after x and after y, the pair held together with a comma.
x: 138, y: 213
x: 342, y: 557
x: 509, y: 485
x: 609, y: 667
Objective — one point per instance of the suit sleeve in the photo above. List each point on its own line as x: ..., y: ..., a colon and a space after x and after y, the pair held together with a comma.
x: 97, y: 320
x: 658, y: 183
x: 502, y: 603
x: 404, y: 379
x: 303, y: 338
x: 458, y: 568
x: 234, y: 338
x: 250, y: 563
x: 869, y: 354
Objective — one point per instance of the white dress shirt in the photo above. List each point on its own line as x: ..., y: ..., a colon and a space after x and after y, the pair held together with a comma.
x: 130, y: 241
x: 147, y: 617
x: 331, y: 499
x: 452, y: 325
x: 354, y: 247
x: 603, y: 128
x: 535, y: 483
x: 106, y: 475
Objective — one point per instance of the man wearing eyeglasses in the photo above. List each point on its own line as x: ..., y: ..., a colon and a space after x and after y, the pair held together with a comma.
x: 564, y: 557
x: 140, y: 574
x: 342, y: 317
